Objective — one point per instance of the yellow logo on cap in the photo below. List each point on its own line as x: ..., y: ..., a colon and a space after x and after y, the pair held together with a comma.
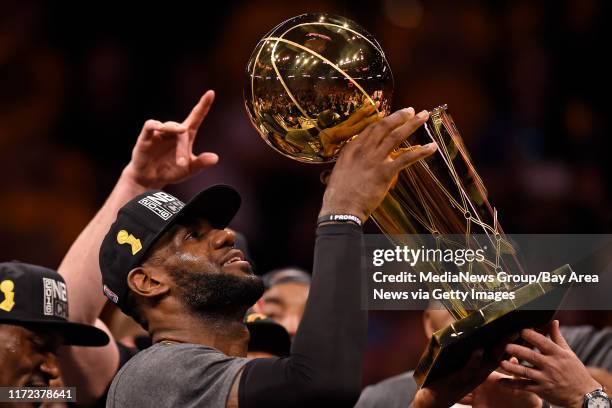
x: 124, y: 237
x: 253, y: 317
x: 7, y: 287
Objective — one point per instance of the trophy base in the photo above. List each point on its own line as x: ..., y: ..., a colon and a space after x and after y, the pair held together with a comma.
x: 450, y: 348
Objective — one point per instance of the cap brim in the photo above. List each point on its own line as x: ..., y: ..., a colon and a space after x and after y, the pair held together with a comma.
x: 74, y: 334
x: 217, y: 204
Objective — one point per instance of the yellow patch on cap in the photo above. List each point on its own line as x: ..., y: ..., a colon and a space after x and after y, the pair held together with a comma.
x: 254, y: 317
x: 124, y: 237
x: 7, y: 287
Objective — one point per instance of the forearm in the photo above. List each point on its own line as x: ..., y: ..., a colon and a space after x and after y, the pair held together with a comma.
x: 332, y: 333
x: 326, y: 356
x: 80, y: 267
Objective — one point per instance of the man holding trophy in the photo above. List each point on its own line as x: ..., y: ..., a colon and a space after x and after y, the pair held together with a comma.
x: 318, y: 90
x: 190, y: 290
x: 325, y: 363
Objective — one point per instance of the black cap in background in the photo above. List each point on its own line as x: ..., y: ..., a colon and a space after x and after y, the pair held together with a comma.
x: 37, y: 297
x: 267, y: 335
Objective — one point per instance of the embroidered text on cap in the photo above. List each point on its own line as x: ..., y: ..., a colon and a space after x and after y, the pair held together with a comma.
x: 162, y: 204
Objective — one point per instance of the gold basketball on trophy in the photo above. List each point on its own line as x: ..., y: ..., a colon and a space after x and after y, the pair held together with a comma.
x: 314, y: 82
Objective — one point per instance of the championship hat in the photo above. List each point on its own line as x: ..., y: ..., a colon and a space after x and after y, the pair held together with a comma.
x: 37, y: 297
x: 143, y: 221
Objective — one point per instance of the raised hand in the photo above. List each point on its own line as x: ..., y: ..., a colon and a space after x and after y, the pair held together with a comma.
x: 163, y: 153
x: 367, y: 166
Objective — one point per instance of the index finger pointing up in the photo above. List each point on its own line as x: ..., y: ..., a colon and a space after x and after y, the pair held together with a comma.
x: 199, y: 112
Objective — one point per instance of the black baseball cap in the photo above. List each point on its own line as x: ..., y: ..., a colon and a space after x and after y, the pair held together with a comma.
x: 267, y: 335
x: 37, y: 297
x: 142, y: 222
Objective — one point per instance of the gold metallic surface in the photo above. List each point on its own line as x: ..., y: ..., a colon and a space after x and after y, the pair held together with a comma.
x: 313, y: 83
x: 444, y: 196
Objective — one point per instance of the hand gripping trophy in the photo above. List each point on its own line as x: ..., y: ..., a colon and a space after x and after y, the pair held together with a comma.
x: 312, y: 84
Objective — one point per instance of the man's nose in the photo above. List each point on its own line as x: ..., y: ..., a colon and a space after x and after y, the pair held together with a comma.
x: 224, y: 237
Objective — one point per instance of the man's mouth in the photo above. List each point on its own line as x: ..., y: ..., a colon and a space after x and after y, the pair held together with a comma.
x: 231, y: 261
x: 233, y: 256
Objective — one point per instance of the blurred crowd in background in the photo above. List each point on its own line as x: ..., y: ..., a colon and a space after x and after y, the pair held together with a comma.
x: 526, y: 83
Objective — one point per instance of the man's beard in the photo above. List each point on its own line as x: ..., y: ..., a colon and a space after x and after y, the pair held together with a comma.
x: 218, y: 293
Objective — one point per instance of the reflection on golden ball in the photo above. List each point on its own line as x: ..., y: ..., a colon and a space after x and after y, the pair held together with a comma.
x: 314, y: 82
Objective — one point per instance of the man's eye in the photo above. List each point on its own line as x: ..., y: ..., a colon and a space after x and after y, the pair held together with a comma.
x: 193, y: 235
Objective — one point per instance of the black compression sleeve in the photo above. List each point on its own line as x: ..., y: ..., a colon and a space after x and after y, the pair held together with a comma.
x: 324, y: 367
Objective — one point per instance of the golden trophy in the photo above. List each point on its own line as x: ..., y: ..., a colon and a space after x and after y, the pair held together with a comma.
x: 312, y: 84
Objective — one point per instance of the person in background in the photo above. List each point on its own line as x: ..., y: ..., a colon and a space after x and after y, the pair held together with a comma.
x: 34, y: 325
x: 285, y: 297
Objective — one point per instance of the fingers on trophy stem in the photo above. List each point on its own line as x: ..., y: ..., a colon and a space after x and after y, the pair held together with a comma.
x: 395, y: 120
x: 407, y: 123
x: 414, y: 154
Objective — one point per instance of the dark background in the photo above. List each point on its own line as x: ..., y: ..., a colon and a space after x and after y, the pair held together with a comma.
x: 526, y: 82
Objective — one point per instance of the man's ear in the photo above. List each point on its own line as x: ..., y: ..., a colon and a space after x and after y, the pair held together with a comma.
x: 148, y: 282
